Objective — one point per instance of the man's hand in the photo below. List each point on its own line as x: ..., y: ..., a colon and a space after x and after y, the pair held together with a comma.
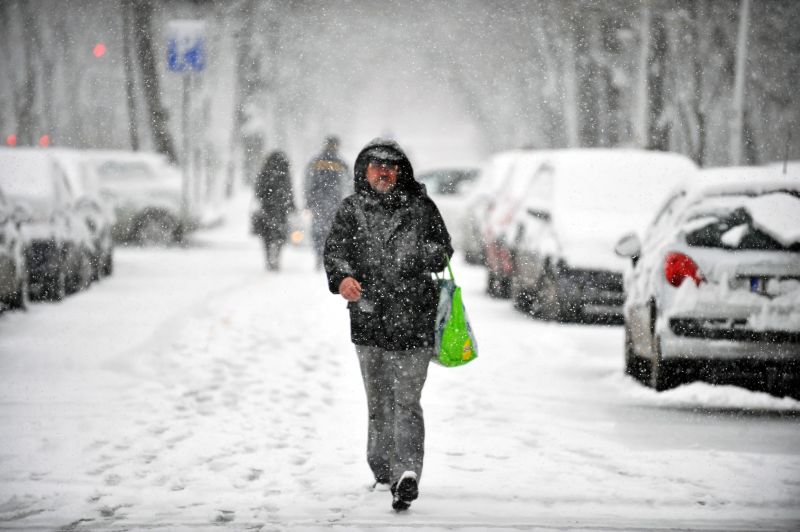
x: 350, y: 289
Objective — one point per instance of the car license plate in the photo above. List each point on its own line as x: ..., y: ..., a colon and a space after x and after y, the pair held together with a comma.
x: 758, y: 285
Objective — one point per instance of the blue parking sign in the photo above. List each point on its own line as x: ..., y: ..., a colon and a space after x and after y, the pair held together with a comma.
x: 186, y: 46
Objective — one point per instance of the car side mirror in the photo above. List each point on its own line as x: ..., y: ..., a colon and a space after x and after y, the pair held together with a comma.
x: 538, y: 213
x: 629, y: 246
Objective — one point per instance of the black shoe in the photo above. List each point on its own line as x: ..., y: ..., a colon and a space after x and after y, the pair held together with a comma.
x: 404, y: 491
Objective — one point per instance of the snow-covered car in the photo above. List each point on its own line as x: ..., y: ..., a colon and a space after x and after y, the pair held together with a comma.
x: 448, y: 188
x: 511, y: 194
x: 713, y: 288
x: 95, y: 210
x: 562, y: 238
x: 13, y: 279
x: 146, y: 193
x: 479, y: 202
x: 57, y: 243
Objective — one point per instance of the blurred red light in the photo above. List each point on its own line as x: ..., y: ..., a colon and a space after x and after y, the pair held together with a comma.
x: 11, y: 140
x: 99, y: 50
x: 44, y: 141
x: 678, y: 267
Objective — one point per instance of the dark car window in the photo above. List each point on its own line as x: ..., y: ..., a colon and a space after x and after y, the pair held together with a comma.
x: 447, y: 182
x: 732, y: 229
x: 123, y: 170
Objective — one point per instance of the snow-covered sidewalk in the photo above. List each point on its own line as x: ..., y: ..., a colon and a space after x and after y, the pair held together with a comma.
x: 193, y: 390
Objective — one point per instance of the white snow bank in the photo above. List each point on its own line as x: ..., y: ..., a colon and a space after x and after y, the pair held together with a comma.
x: 703, y: 396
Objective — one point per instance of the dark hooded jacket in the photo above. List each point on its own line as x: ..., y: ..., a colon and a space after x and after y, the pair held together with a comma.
x: 391, y: 244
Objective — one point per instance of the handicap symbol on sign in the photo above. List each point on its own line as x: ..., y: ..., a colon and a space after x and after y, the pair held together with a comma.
x: 186, y: 46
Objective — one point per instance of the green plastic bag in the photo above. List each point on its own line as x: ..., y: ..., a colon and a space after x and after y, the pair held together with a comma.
x: 455, y: 341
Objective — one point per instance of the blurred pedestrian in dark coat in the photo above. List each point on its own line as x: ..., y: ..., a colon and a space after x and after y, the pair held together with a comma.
x: 326, y: 177
x: 273, y: 190
x: 385, y: 242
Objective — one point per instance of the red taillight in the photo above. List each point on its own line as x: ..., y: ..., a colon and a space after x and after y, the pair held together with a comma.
x: 678, y: 267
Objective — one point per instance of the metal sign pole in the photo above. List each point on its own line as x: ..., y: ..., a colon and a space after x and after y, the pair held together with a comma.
x: 185, y: 185
x: 185, y: 55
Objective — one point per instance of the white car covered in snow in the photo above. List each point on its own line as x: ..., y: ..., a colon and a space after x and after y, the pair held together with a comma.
x: 713, y: 292
x: 146, y: 193
x: 448, y: 188
x: 560, y: 237
x: 479, y: 203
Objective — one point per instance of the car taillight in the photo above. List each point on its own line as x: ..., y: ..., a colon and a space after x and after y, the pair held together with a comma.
x: 678, y: 267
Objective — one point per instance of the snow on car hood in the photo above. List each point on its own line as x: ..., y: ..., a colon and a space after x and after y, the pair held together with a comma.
x: 587, y: 238
x: 600, y: 195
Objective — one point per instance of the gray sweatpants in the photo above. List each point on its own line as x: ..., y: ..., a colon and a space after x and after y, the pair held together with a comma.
x: 393, y: 381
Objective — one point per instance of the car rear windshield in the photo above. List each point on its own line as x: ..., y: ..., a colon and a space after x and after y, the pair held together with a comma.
x: 744, y: 222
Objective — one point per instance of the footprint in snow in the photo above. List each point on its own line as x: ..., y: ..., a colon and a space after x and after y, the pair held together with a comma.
x: 158, y: 430
x: 225, y: 516
x: 468, y: 469
x: 99, y: 470
x: 95, y: 445
x: 96, y: 497
x: 254, y: 474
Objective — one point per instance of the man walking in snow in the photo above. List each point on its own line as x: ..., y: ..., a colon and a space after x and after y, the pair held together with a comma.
x: 386, y: 240
x: 324, y: 189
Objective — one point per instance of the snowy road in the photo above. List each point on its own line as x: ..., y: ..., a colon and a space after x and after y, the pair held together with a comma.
x: 192, y: 390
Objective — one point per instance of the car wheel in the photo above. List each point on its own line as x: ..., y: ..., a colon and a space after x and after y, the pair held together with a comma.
x: 20, y: 298
x: 522, y: 298
x: 55, y: 287
x: 87, y: 271
x: 635, y: 366
x: 97, y: 267
x: 156, y: 230
x: 498, y: 286
x: 492, y: 285
x: 552, y: 306
x: 75, y: 271
x: 663, y: 374
x: 108, y: 264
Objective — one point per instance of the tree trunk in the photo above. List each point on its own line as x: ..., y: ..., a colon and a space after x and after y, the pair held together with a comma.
x: 130, y: 75
x: 570, y: 83
x: 588, y: 80
x: 658, y: 128
x: 142, y: 19
x: 698, y: 12
x: 27, y: 121
x: 640, y: 123
x: 737, y: 108
x: 248, y: 79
